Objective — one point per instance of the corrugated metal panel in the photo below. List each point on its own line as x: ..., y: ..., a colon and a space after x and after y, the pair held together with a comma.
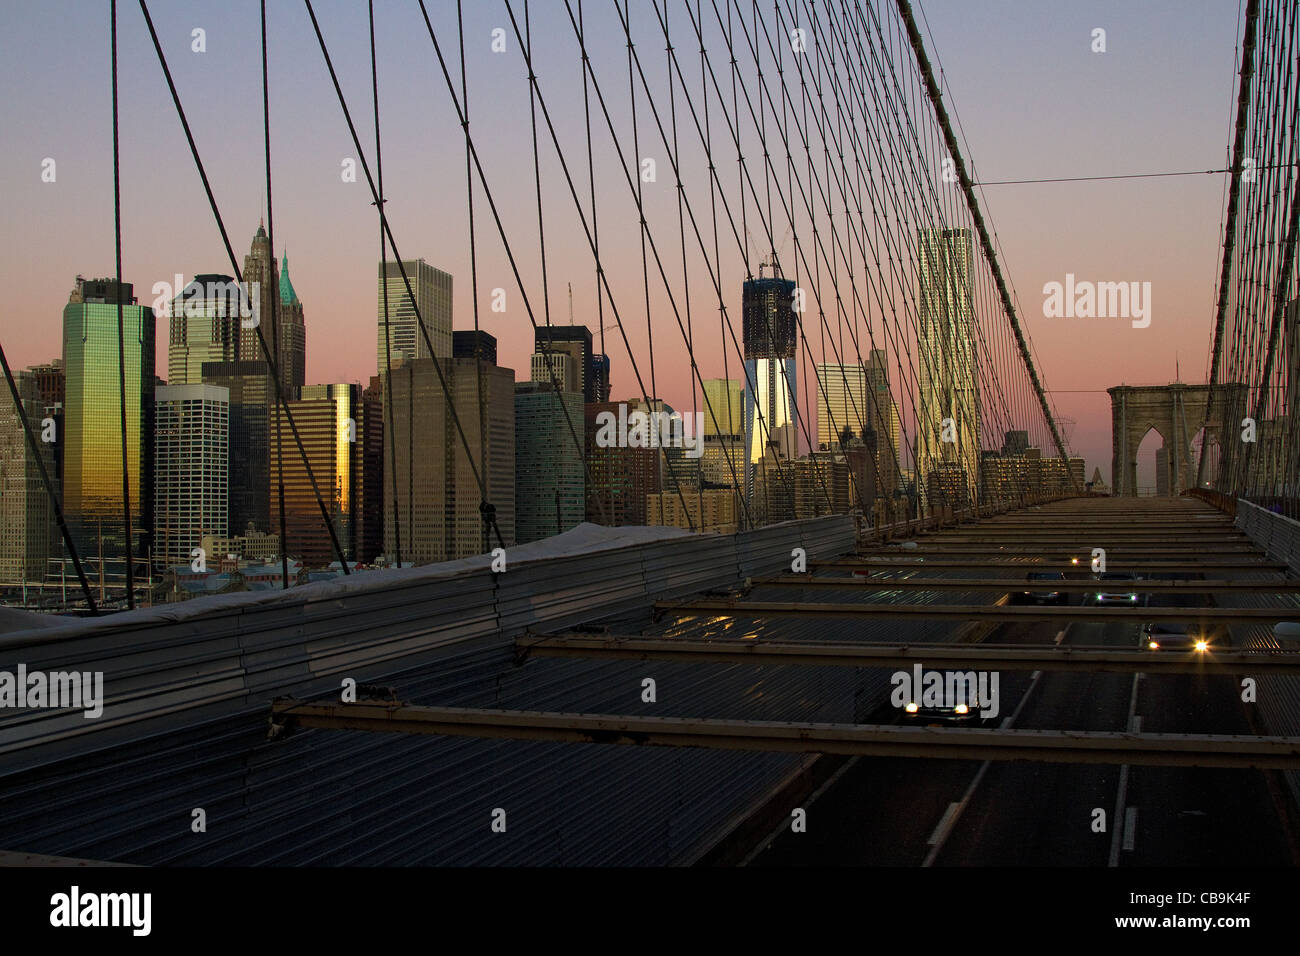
x: 187, y: 719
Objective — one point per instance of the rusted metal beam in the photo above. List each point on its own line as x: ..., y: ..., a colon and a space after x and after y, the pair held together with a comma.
x: 1081, y: 586
x: 1043, y: 746
x: 727, y: 607
x: 1018, y: 657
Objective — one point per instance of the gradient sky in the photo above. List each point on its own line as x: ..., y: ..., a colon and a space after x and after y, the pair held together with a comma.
x: 1033, y: 101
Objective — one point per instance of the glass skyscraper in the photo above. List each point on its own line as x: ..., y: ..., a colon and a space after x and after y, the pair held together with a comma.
x: 336, y: 426
x: 92, y: 434
x: 203, y: 324
x: 770, y: 335
x: 947, y: 373
x: 550, y: 485
x: 432, y: 291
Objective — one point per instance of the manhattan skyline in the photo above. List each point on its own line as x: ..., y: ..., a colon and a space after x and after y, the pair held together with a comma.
x: 1084, y: 117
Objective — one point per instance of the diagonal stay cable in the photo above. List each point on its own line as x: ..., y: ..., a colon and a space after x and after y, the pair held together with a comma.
x: 275, y: 306
x: 230, y: 252
x: 486, y: 508
x: 121, y: 342
x: 35, y: 448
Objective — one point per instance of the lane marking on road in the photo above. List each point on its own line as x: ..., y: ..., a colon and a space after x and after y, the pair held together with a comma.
x: 954, y: 811
x: 784, y: 826
x: 1122, y: 791
x: 1130, y: 827
x: 941, y: 829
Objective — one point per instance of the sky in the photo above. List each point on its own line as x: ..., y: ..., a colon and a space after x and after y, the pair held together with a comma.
x: 1033, y: 99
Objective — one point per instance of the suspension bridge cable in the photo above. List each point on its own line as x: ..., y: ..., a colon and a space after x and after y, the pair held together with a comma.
x: 271, y: 362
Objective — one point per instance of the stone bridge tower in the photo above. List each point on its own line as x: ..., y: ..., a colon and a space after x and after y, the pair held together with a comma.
x: 1177, y: 412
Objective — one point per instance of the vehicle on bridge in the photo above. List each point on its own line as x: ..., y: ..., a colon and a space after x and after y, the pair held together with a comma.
x: 1173, y: 637
x: 914, y: 713
x: 1043, y: 597
x: 1117, y: 588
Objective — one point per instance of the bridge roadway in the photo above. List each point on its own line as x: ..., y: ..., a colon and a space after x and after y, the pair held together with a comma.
x: 908, y: 812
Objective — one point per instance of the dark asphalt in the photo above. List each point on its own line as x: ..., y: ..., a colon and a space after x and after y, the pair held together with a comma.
x: 886, y: 811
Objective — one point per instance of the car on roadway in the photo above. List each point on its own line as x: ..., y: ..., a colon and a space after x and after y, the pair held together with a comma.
x: 1044, y: 597
x: 914, y: 713
x: 1162, y: 636
x: 1115, y: 588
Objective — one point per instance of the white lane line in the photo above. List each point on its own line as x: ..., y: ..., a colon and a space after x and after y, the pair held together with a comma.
x: 1130, y: 827
x: 1122, y: 792
x: 940, y: 834
x: 784, y: 825
x: 941, y: 829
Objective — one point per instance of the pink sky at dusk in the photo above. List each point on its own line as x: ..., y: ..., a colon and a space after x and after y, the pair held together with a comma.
x: 1033, y: 99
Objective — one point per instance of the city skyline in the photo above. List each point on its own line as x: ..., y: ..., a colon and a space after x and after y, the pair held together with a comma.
x: 1067, y: 349
x: 672, y: 449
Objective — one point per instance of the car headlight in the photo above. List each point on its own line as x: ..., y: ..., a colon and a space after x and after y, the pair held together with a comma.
x: 1202, y: 645
x: 1154, y: 646
x: 911, y: 708
x: 962, y: 709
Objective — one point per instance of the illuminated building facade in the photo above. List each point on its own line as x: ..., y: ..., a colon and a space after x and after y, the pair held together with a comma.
x: 947, y: 369
x: 92, y: 434
x: 770, y: 333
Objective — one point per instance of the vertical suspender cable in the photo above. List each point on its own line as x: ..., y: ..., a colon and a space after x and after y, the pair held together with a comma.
x: 275, y: 308
x: 390, y: 440
x: 121, y: 342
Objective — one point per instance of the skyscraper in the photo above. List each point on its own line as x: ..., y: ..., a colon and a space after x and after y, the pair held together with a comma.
x: 600, y: 364
x: 293, y: 335
x: 620, y: 477
x: 471, y: 344
x: 549, y: 479
x: 370, y: 531
x: 260, y: 276
x: 886, y: 423
x: 770, y: 331
x: 843, y: 401
x: 332, y: 421
x: 726, y: 398
x: 203, y: 326
x: 574, y: 341
x: 948, y: 413
x: 92, y: 462
x: 191, y: 468
x: 252, y: 400
x: 437, y: 497
x: 28, y: 535
x: 556, y: 369
x: 432, y: 295
x: 51, y: 384
x: 722, y: 460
